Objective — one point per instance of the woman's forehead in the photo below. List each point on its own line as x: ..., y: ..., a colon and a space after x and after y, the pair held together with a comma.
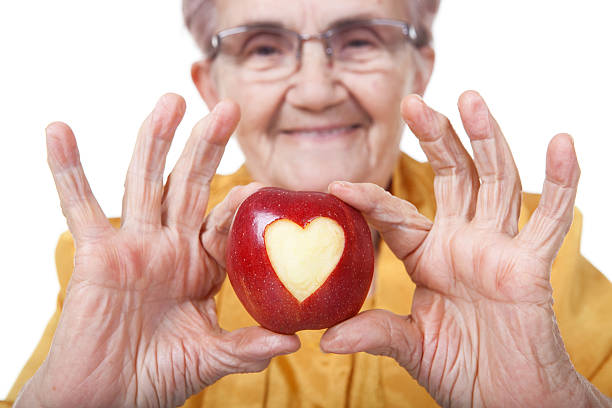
x: 303, y: 15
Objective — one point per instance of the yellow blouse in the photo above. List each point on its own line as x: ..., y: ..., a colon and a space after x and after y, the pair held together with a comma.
x: 310, y: 378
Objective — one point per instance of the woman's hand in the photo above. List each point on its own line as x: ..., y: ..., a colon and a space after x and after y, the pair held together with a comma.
x: 139, y: 326
x: 482, y: 330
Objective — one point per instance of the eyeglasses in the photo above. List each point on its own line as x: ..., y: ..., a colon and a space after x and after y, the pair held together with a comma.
x: 267, y: 52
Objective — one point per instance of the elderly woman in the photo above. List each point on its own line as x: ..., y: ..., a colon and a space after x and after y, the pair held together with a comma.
x: 321, y: 90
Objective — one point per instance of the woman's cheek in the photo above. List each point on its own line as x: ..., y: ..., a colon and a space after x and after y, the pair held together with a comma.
x: 378, y: 94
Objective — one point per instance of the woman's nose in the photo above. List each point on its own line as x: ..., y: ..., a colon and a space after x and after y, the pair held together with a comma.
x: 315, y: 85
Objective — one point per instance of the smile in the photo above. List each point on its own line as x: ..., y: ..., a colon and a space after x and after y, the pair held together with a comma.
x: 322, y: 132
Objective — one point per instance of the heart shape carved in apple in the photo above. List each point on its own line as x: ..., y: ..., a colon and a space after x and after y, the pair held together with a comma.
x: 303, y: 258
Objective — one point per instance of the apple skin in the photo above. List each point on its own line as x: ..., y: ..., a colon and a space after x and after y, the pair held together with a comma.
x: 258, y: 287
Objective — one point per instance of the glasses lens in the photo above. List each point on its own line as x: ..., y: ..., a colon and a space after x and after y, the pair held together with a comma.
x: 367, y: 45
x: 262, y: 50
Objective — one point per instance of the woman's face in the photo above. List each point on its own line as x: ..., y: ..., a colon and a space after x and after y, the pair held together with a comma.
x: 321, y: 123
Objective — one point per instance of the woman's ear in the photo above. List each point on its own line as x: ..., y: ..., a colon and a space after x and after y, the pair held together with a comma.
x: 201, y: 74
x: 426, y: 57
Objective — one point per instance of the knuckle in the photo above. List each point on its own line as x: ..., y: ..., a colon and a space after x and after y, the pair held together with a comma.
x: 443, y: 122
x: 235, y: 193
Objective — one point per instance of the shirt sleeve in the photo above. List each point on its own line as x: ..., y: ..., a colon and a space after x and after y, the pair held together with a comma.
x: 64, y: 261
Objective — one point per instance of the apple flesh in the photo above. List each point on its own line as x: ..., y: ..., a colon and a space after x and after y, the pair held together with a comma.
x: 303, y: 258
x: 299, y: 260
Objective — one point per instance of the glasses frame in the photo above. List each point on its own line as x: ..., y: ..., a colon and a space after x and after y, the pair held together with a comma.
x: 414, y: 36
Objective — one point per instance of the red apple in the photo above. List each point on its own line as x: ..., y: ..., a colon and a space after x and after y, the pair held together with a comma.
x: 299, y: 260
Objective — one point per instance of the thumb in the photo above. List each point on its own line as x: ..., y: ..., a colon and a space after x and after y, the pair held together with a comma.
x: 401, y: 225
x: 252, y: 348
x: 377, y: 332
x: 218, y: 221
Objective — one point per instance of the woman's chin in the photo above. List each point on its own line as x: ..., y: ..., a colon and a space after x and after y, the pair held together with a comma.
x: 304, y: 185
x: 315, y: 178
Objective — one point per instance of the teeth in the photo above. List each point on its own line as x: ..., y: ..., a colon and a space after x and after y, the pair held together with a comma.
x: 326, y: 132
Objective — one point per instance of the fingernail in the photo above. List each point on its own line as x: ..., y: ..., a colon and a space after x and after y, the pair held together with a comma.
x: 425, y: 114
x: 222, y: 104
x: 52, y: 129
x: 339, y: 186
x: 417, y: 97
x: 215, y: 110
x: 329, y: 345
x: 162, y: 102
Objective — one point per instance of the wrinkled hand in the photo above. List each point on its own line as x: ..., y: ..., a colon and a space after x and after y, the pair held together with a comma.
x: 482, y: 330
x: 139, y: 326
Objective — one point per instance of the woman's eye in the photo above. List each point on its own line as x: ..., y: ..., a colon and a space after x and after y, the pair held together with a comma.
x: 358, y: 43
x: 265, y: 50
x: 264, y: 45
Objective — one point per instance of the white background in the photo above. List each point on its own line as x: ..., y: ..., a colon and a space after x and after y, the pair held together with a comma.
x: 543, y: 66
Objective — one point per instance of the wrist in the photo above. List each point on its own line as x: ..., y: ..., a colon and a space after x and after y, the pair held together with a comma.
x: 564, y: 386
x: 592, y: 397
x: 42, y: 392
x: 30, y: 396
x: 578, y: 392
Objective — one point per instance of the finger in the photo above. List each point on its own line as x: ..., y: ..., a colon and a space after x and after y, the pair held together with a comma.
x: 456, y: 182
x: 186, y: 197
x: 402, y: 227
x: 499, y: 198
x: 250, y: 349
x: 377, y: 332
x: 218, y: 221
x: 144, y: 181
x: 82, y: 211
x: 553, y: 217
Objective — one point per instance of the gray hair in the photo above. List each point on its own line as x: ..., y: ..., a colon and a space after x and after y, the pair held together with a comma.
x: 199, y: 16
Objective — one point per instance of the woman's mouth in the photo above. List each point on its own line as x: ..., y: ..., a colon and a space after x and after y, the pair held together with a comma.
x: 322, y: 132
